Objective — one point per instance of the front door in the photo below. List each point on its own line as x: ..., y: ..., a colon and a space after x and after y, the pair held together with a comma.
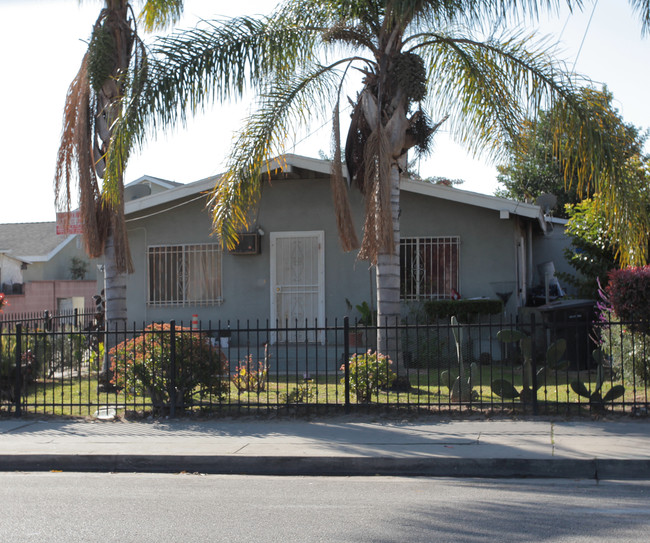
x: 297, y: 284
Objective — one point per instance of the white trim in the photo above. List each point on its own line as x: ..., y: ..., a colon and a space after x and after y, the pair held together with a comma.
x: 171, y: 195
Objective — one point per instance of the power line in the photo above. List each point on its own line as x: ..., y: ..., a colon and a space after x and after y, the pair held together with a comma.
x: 584, y: 36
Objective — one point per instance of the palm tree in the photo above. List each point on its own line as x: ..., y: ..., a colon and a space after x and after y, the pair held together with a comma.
x: 111, y: 72
x: 418, y: 60
x: 643, y: 8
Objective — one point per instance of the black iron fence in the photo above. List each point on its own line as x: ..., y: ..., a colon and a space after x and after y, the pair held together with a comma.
x: 49, y: 320
x: 63, y: 365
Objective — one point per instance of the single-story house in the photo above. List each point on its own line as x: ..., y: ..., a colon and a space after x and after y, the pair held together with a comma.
x: 35, y: 269
x: 289, y: 266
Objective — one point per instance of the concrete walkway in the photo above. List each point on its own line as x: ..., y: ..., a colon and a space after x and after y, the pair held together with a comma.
x: 617, y: 449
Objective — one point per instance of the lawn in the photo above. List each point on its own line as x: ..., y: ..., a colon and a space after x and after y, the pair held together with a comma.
x: 79, y: 396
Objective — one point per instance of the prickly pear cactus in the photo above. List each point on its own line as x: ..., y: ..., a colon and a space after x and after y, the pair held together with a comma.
x: 595, y: 397
x: 553, y: 362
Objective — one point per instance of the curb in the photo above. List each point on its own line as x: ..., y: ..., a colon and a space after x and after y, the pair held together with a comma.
x: 559, y: 468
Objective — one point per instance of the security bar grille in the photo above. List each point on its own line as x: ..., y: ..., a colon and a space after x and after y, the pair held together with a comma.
x: 185, y: 275
x: 429, y: 267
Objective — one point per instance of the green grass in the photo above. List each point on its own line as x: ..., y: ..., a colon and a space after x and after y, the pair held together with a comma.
x: 79, y: 396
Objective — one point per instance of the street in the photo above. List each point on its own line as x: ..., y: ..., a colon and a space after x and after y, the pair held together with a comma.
x: 74, y: 507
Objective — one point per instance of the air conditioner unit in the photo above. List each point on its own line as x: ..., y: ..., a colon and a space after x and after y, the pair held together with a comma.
x: 248, y: 244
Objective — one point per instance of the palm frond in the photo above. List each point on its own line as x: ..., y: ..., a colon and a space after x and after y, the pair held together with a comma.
x: 288, y: 101
x: 160, y: 14
x: 489, y: 87
x: 344, y: 221
x: 222, y: 60
x: 642, y: 7
x: 75, y: 151
x: 378, y: 225
x: 624, y: 203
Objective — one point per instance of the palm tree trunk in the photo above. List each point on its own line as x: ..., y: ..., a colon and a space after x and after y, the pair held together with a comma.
x: 115, y: 296
x: 388, y: 290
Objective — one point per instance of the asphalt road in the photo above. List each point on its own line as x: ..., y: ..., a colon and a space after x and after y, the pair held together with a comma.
x: 71, y: 507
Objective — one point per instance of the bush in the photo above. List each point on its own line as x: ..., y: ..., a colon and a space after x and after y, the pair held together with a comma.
x: 463, y: 310
x: 303, y: 393
x: 249, y: 378
x: 369, y: 372
x: 628, y: 292
x: 142, y: 366
x: 628, y: 350
x: 426, y: 348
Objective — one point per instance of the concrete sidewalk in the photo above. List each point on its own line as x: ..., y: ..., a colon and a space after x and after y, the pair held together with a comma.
x: 617, y: 449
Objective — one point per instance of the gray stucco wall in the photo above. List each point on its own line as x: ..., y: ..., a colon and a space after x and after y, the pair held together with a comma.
x: 287, y: 205
x: 487, y: 252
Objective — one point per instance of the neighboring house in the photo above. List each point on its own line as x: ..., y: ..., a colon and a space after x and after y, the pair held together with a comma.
x: 35, y: 269
x: 290, y: 266
x: 147, y: 186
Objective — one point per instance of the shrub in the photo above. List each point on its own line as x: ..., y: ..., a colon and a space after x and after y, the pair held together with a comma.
x: 303, y: 393
x: 249, y: 378
x: 628, y: 292
x: 464, y: 310
x: 625, y: 343
x: 369, y: 372
x: 627, y: 349
x: 143, y: 366
x: 425, y: 348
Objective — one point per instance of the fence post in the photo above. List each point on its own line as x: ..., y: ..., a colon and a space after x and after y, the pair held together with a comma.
x: 18, y: 400
x: 48, y: 320
x: 346, y: 361
x: 533, y: 362
x: 172, y: 369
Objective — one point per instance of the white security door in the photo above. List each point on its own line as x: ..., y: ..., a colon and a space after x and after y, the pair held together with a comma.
x: 297, y: 283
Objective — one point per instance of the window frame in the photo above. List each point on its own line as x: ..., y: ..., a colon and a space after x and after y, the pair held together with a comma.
x: 178, y: 294
x: 445, y: 282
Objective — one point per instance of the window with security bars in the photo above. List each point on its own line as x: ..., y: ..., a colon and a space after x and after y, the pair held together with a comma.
x: 429, y: 267
x: 184, y: 274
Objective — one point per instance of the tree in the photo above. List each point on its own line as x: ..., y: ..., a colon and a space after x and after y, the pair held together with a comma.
x: 534, y: 167
x: 112, y: 73
x: 590, y: 254
x: 533, y: 170
x: 620, y: 207
x: 418, y: 60
x: 594, y: 245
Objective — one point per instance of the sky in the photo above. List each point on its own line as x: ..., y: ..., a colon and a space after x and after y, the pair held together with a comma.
x: 42, y: 43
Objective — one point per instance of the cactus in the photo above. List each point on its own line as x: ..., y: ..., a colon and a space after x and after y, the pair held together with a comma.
x: 596, y: 399
x: 460, y: 387
x: 505, y: 389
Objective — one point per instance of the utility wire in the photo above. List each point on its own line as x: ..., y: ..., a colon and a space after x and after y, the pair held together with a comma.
x: 584, y: 36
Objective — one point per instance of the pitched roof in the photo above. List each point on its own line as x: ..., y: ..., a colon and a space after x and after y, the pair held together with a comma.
x: 149, y: 179
x: 288, y: 162
x: 31, y: 242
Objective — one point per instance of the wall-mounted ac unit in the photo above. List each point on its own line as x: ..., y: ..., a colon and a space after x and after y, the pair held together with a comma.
x: 248, y: 244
